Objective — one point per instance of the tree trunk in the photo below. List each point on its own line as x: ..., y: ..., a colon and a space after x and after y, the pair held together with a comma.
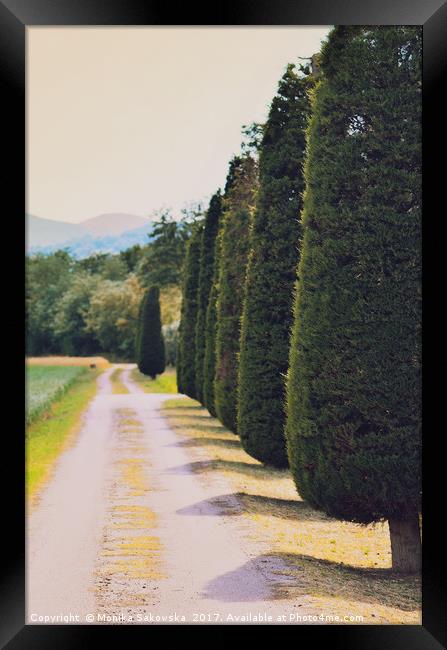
x: 405, y: 544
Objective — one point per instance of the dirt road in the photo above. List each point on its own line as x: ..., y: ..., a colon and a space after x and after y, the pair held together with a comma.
x: 126, y: 529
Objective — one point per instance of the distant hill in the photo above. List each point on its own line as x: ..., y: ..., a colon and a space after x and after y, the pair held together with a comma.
x: 113, y: 223
x: 107, y: 233
x: 84, y: 246
x: 44, y: 232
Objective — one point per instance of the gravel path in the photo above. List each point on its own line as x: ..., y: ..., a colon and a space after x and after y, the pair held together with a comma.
x: 126, y: 529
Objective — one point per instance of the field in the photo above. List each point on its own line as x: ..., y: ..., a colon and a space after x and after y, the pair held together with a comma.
x: 99, y: 362
x: 165, y: 383
x: 343, y: 567
x: 60, y: 409
x: 45, y: 384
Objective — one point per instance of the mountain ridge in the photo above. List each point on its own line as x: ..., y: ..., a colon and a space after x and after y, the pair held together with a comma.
x: 105, y: 234
x: 112, y: 223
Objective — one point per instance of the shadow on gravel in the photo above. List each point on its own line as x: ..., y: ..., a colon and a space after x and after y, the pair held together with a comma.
x: 239, y: 503
x: 214, y: 442
x: 293, y: 575
x: 201, y: 466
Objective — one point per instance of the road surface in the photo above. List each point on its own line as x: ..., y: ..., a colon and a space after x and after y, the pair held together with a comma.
x: 125, y: 532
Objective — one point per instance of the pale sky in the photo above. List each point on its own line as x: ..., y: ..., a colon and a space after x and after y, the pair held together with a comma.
x: 133, y: 119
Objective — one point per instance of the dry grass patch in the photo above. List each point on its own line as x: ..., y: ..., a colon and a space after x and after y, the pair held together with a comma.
x: 99, y: 362
x: 118, y: 388
x: 344, y: 568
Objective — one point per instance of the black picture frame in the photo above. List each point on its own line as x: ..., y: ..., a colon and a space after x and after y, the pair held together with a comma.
x: 15, y: 16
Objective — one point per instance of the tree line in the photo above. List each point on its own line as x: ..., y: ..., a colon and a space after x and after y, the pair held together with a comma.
x: 300, y: 319
x: 91, y: 306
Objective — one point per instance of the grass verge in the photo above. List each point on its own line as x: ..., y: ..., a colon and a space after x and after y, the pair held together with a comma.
x: 165, y: 383
x: 50, y: 435
x: 340, y: 568
x: 45, y: 384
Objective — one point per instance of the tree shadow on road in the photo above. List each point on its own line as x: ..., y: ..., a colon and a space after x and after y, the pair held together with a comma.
x: 293, y: 576
x: 249, y: 469
x: 239, y: 503
x: 214, y: 442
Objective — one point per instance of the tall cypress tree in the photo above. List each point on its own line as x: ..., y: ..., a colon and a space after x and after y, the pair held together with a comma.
x: 151, y: 347
x: 187, y: 336
x: 138, y: 332
x: 209, y: 364
x: 210, y: 230
x: 238, y: 206
x: 209, y: 368
x: 271, y: 273
x: 353, y: 392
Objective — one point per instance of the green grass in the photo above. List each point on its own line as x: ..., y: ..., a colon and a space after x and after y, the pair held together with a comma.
x: 49, y: 435
x: 165, y: 383
x: 46, y: 384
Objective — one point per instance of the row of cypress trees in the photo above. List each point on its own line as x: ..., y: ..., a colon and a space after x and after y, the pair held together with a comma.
x: 301, y: 314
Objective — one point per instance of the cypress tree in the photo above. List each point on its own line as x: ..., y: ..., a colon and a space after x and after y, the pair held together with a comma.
x: 210, y: 230
x: 353, y: 391
x: 271, y: 273
x: 151, y: 354
x: 187, y: 336
x: 138, y: 332
x: 211, y: 312
x: 238, y: 206
x: 209, y: 364
x: 178, y: 362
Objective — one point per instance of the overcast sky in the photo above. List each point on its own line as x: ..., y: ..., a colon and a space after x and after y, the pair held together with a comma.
x: 133, y: 119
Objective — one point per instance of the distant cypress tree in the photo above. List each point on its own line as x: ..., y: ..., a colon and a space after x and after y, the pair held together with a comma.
x: 151, y: 357
x: 353, y: 391
x: 187, y: 335
x: 211, y: 227
x: 271, y: 273
x: 238, y: 206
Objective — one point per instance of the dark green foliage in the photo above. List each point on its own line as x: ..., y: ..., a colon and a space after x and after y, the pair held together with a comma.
x: 94, y: 263
x: 138, y: 332
x: 47, y: 280
x: 186, y: 367
x: 151, y: 347
x: 131, y: 256
x: 161, y: 262
x: 209, y: 365
x: 211, y: 227
x: 238, y: 205
x: 271, y: 273
x: 178, y: 362
x: 353, y: 392
x: 170, y: 335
